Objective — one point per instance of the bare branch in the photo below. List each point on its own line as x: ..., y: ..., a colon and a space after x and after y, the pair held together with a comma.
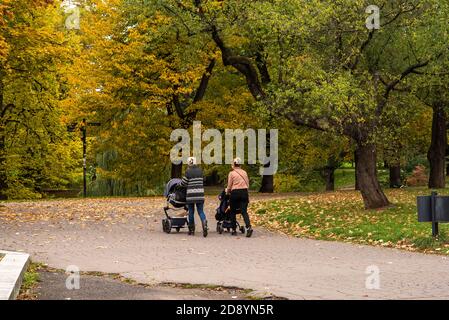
x: 391, y: 86
x: 9, y: 106
x: 308, y: 123
x: 410, y: 70
x: 201, y: 91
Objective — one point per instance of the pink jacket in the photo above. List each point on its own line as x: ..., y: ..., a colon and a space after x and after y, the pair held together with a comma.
x: 237, y: 179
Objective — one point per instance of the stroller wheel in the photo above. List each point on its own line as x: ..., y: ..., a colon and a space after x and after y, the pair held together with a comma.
x: 220, y: 228
x: 167, y: 226
x: 164, y: 225
x: 177, y: 229
x: 228, y: 229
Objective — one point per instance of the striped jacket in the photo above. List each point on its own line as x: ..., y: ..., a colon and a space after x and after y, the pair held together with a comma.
x: 193, y: 180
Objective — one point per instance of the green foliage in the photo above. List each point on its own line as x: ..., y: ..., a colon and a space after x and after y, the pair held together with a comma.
x: 17, y: 189
x: 286, y: 183
x: 35, y: 151
x: 307, y: 182
x: 419, y: 160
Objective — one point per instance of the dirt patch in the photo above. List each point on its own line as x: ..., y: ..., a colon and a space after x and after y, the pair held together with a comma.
x: 51, y: 285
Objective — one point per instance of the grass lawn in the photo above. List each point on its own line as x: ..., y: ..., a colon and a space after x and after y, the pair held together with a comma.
x: 340, y: 216
x: 1, y: 256
x: 345, y: 177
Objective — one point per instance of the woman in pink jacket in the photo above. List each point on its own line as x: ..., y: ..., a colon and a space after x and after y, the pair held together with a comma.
x: 238, y: 185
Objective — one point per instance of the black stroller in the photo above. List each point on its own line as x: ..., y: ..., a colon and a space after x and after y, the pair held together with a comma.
x: 176, y: 197
x: 223, y: 215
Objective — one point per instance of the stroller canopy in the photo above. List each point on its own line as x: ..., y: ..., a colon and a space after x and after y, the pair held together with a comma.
x: 171, y: 185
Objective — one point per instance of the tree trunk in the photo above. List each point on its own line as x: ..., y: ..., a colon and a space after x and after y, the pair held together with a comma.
x: 356, y: 160
x: 3, y: 176
x: 267, y: 184
x: 373, y: 196
x: 395, y: 176
x: 176, y: 170
x: 329, y: 177
x: 447, y: 163
x: 437, y: 151
x: 3, y: 181
x: 328, y: 172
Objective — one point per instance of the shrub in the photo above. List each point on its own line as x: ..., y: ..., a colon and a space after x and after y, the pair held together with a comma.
x: 298, y: 183
x: 18, y: 191
x: 420, y: 160
x: 418, y: 177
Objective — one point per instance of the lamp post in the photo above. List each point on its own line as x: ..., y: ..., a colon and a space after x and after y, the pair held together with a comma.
x: 84, y: 126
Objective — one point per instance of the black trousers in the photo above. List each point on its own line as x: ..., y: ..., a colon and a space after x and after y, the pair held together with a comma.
x: 239, y: 199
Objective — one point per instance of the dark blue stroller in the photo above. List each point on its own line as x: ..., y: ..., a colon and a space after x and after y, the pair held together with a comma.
x: 176, y: 201
x: 223, y: 215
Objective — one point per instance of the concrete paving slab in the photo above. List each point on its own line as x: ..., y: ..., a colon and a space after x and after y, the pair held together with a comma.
x: 12, y: 268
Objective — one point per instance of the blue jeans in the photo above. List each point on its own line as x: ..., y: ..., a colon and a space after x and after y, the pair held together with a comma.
x: 199, y: 208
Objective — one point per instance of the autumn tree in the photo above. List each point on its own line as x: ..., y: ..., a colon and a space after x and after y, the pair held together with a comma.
x: 35, y: 150
x: 432, y: 91
x: 141, y: 76
x: 211, y: 17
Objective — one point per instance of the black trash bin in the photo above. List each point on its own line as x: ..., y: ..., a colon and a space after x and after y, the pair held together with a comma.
x: 442, y: 208
x: 424, y: 205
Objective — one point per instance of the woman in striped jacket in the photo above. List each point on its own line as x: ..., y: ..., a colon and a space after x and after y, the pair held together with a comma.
x: 193, y: 181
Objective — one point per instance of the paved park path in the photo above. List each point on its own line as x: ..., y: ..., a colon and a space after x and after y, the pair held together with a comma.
x: 124, y: 236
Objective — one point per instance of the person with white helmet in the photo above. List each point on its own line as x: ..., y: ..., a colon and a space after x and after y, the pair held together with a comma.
x: 238, y: 185
x: 193, y: 181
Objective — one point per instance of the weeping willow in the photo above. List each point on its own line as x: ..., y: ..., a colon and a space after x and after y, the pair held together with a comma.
x: 106, y: 181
